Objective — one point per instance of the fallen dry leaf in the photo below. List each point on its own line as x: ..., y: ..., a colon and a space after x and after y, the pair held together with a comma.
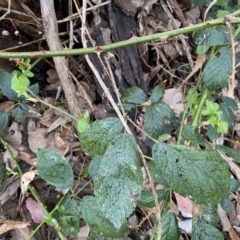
x: 37, y: 139
x: 14, y: 135
x: 26, y: 178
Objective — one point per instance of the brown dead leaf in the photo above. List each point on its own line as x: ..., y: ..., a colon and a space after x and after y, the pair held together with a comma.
x: 83, y: 233
x: 7, y: 106
x: 6, y: 225
x: 55, y: 142
x: 27, y: 158
x: 37, y: 139
x: 52, y: 76
x: 26, y: 178
x: 14, y: 135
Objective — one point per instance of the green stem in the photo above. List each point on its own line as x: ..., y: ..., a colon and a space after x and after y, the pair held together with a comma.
x: 112, y: 46
x: 197, y: 116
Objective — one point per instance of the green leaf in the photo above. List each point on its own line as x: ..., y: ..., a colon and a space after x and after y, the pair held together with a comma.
x: 97, y: 137
x: 34, y: 88
x: 67, y: 216
x: 1, y: 173
x: 20, y: 84
x: 222, y: 127
x: 3, y: 121
x: 54, y: 169
x: 204, y: 231
x: 93, y: 216
x: 226, y: 205
x: 170, y: 230
x: 227, y: 106
x: 155, y: 118
x: 229, y: 151
x: 147, y: 199
x: 201, y: 2
x: 157, y: 175
x: 212, y: 132
x: 190, y: 134
x: 213, y: 36
x: 27, y: 73
x: 134, y: 95
x: 203, y: 172
x: 119, y: 185
x: 235, y: 184
x: 17, y: 114
x: 157, y: 94
x: 5, y: 85
x: 94, y: 166
x: 210, y: 214
x: 215, y: 76
x: 83, y: 123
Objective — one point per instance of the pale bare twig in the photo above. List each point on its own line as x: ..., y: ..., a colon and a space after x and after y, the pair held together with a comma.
x: 7, y: 12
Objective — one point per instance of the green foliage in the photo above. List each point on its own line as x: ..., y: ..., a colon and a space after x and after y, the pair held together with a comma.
x: 134, y: 95
x: 83, y: 123
x: 210, y: 214
x: 3, y: 121
x: 119, y: 185
x: 204, y: 231
x: 182, y: 166
x: 156, y: 119
x: 67, y: 216
x: 1, y: 173
x: 170, y: 229
x: 215, y: 76
x: 54, y: 169
x: 94, y: 217
x: 157, y: 94
x: 96, y: 138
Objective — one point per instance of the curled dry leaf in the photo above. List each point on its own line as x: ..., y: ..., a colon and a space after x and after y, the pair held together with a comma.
x: 26, y: 178
x: 52, y: 76
x: 14, y: 136
x: 37, y: 139
x: 55, y: 142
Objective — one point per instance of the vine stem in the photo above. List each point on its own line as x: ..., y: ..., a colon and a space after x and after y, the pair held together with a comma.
x: 136, y: 40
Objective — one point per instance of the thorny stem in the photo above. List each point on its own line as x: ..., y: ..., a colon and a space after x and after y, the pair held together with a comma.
x: 112, y: 46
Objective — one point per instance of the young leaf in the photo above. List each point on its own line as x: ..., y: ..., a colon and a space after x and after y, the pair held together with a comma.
x: 96, y: 138
x: 93, y: 216
x: 83, y: 123
x: 3, y: 121
x: 204, y: 231
x: 134, y: 95
x: 215, y: 76
x: 54, y: 169
x: 203, y: 172
x: 27, y: 73
x: 120, y: 182
x: 5, y: 86
x: 157, y: 94
x: 170, y: 230
x: 155, y: 117
x: 20, y: 84
x: 67, y: 216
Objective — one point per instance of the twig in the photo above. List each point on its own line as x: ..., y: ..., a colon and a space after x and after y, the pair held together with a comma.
x: 51, y: 32
x: 231, y: 81
x: 112, y: 46
x: 208, y: 9
x: 7, y: 12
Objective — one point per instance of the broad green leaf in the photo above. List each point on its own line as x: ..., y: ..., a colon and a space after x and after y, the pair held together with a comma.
x: 68, y: 217
x: 97, y: 137
x: 119, y: 185
x: 215, y: 76
x: 170, y: 230
x: 94, y: 166
x: 190, y: 134
x: 17, y: 114
x: 229, y: 102
x: 213, y: 36
x: 155, y: 119
x: 193, y: 172
x: 204, y: 231
x: 27, y: 73
x: 20, y: 84
x: 54, y: 169
x: 210, y: 214
x: 157, y: 175
x: 1, y: 173
x: 201, y: 2
x: 5, y: 85
x: 235, y: 184
x: 34, y: 88
x: 3, y: 121
x: 147, y: 199
x: 29, y: 111
x: 134, y: 95
x: 93, y: 216
x: 128, y: 106
x: 226, y: 205
x: 229, y: 151
x: 157, y: 93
